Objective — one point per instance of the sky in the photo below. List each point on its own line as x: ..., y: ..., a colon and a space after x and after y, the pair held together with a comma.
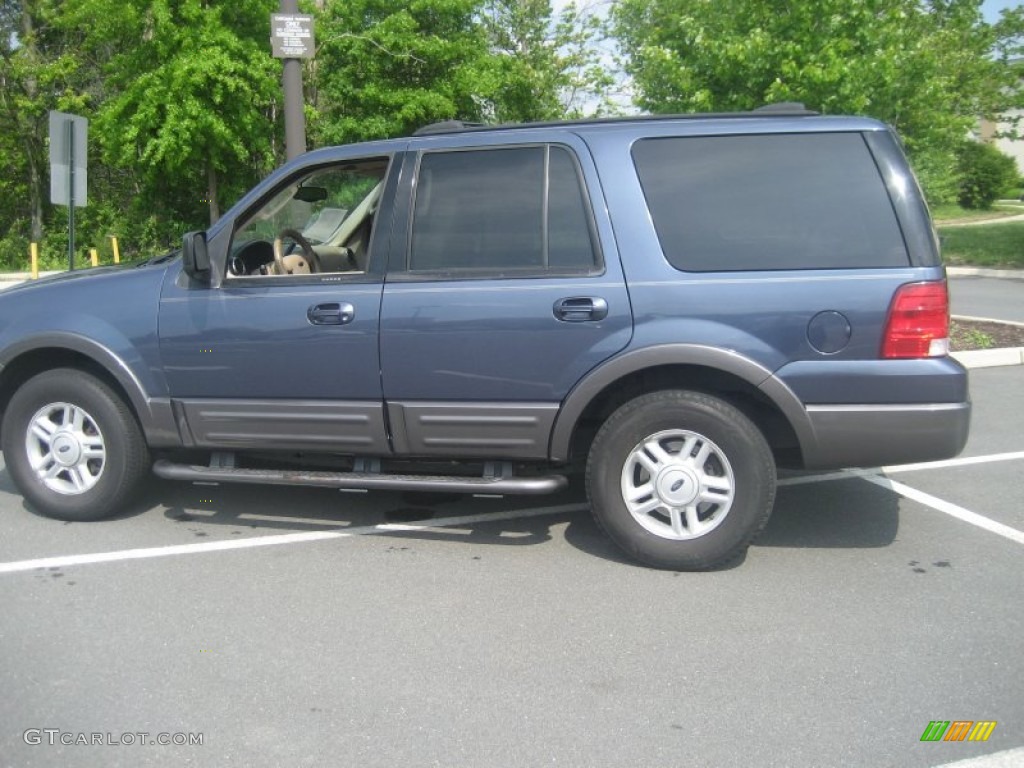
x: 991, y: 8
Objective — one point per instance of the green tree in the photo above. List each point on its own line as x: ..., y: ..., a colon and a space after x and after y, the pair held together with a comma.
x: 542, y: 67
x: 985, y: 174
x: 37, y: 73
x: 193, y: 96
x: 384, y: 67
x: 924, y: 66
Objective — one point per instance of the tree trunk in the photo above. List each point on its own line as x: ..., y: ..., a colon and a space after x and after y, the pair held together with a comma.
x: 35, y: 182
x: 211, y: 193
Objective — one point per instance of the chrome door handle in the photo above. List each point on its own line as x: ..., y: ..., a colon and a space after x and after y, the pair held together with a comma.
x: 331, y: 313
x: 580, y: 309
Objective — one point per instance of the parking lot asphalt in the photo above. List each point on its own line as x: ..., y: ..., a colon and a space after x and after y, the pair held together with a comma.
x: 307, y: 627
x: 989, y: 297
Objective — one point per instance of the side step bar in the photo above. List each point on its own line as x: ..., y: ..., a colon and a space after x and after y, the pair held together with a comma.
x: 528, y: 486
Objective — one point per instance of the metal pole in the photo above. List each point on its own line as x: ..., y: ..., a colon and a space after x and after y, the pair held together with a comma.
x: 71, y: 194
x: 294, y: 116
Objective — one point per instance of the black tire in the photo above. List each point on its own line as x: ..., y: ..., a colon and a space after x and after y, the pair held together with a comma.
x: 94, y: 487
x: 737, y: 474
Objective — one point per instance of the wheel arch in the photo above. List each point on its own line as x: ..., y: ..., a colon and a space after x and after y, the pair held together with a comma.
x: 22, y: 361
x: 773, y: 407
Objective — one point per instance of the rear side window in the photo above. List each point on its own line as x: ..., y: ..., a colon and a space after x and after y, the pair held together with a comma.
x: 767, y: 202
x: 500, y: 210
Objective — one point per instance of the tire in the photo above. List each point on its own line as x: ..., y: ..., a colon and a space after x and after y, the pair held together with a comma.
x: 72, y: 446
x: 681, y: 480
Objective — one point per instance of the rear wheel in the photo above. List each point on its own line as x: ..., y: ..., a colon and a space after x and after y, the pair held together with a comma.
x: 681, y: 480
x: 72, y: 446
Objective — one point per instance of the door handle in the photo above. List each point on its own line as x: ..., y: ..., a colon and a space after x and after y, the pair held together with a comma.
x: 332, y: 313
x: 580, y: 309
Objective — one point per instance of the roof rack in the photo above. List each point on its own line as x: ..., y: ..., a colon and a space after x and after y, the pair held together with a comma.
x: 448, y: 126
x: 779, y: 109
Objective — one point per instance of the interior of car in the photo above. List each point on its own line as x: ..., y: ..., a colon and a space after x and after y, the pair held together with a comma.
x: 319, y: 222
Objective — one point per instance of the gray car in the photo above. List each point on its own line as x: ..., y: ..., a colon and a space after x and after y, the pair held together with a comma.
x: 670, y: 306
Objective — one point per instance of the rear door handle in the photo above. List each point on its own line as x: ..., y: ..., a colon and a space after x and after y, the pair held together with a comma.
x: 580, y: 309
x: 332, y: 313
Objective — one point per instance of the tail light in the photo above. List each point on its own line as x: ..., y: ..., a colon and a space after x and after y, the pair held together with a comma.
x: 918, y: 322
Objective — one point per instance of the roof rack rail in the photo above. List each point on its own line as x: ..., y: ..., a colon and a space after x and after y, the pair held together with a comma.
x: 778, y: 109
x: 446, y: 126
x: 785, y: 107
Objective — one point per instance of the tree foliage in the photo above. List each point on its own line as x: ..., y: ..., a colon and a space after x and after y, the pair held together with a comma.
x: 542, y: 66
x: 985, y: 174
x: 384, y: 68
x: 192, y: 98
x: 925, y: 66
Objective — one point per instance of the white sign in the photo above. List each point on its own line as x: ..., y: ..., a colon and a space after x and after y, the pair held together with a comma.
x: 68, y: 149
x: 291, y: 36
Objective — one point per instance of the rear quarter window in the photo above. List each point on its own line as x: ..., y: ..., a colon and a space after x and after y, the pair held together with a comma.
x: 769, y: 202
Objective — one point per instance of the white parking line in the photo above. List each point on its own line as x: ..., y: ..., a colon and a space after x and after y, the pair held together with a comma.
x: 963, y: 461
x: 846, y: 474
x: 66, y: 561
x: 940, y: 505
x: 1010, y: 758
x: 953, y: 510
x: 871, y: 475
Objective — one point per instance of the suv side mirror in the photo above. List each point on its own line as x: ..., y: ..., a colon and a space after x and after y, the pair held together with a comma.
x: 195, y: 258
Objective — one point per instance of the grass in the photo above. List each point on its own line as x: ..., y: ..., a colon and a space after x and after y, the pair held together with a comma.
x: 943, y: 214
x: 995, y: 245
x: 963, y: 337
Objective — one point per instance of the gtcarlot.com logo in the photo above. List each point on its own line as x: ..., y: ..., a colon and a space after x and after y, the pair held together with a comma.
x: 958, y: 730
x: 54, y: 736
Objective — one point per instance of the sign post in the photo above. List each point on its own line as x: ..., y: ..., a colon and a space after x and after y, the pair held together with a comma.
x: 291, y: 39
x: 68, y: 168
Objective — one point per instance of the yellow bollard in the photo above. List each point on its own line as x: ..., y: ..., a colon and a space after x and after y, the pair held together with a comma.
x: 117, y: 252
x: 33, y: 251
x: 94, y: 256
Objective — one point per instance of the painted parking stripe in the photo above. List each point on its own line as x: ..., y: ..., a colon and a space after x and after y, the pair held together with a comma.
x: 953, y: 510
x: 962, y: 461
x: 1010, y: 758
x: 871, y: 475
x: 66, y: 561
x: 846, y: 474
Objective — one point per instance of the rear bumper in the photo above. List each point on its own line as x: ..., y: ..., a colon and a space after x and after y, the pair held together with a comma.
x: 876, y: 435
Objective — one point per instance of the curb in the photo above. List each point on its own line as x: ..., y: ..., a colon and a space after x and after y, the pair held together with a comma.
x: 10, y: 279
x: 990, y: 358
x: 1006, y: 274
x: 972, y: 318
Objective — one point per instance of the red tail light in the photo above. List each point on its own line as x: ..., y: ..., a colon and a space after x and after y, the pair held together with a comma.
x: 918, y: 322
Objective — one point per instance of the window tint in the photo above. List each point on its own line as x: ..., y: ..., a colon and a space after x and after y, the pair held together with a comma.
x: 332, y: 210
x: 569, y: 241
x: 800, y: 201
x: 485, y: 210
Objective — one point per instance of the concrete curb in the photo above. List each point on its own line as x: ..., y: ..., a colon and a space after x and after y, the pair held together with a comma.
x: 10, y: 279
x: 972, y: 318
x: 1005, y: 274
x: 990, y: 358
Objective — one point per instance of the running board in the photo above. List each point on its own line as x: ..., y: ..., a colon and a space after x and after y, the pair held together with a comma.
x: 527, y: 486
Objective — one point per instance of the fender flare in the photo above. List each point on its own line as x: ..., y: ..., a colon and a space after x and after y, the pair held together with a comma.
x: 714, y: 358
x: 154, y: 414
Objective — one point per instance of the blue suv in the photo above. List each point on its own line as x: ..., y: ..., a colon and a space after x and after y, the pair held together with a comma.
x: 673, y: 305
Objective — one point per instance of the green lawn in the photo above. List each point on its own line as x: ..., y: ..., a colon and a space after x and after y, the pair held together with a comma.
x: 952, y: 212
x: 993, y: 245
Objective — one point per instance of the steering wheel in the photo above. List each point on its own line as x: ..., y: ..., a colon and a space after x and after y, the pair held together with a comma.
x: 304, y: 244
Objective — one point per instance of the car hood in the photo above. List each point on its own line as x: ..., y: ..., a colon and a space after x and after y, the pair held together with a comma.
x: 111, y: 271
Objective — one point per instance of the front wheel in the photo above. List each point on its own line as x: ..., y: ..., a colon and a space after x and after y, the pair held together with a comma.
x: 681, y: 480
x: 72, y: 446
